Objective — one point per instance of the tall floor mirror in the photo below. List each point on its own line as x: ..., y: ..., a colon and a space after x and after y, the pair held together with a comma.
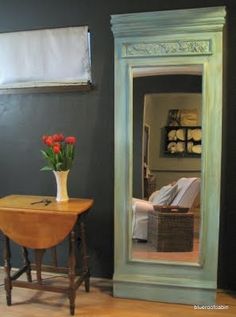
x: 168, y: 112
x: 167, y: 146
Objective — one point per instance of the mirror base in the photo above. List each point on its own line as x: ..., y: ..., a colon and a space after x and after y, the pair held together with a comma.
x: 164, y: 293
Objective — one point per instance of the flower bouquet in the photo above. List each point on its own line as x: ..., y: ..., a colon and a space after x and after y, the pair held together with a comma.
x: 59, y: 155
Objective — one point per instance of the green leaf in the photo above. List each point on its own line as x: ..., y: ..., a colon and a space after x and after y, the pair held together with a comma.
x: 46, y: 168
x: 58, y: 166
x: 45, y: 155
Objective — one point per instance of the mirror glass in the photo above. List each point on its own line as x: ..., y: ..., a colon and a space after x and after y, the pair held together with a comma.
x: 167, y: 148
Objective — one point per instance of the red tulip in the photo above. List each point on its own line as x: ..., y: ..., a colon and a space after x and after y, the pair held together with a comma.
x: 49, y: 141
x: 70, y: 140
x: 58, y: 137
x: 56, y: 148
x: 44, y: 138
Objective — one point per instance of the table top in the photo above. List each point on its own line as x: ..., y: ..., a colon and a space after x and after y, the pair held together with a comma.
x: 36, y: 225
x: 27, y: 203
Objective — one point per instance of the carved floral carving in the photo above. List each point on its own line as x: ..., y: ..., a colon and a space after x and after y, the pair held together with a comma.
x: 200, y: 47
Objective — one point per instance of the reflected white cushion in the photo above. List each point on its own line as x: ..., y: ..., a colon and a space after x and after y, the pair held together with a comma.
x: 165, y: 195
x: 188, y: 190
x: 140, y: 218
x: 153, y: 195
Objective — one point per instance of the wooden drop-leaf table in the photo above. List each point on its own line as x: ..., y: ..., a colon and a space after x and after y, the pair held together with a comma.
x: 40, y: 223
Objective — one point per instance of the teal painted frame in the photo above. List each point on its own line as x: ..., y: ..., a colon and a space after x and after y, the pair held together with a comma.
x: 165, y: 38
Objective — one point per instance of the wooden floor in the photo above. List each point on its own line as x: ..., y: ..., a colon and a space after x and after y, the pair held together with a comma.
x: 146, y: 251
x: 100, y: 303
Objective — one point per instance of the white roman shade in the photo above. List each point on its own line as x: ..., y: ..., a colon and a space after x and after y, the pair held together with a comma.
x: 48, y: 57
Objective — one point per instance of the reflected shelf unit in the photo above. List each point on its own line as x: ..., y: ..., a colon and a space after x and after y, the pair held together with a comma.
x: 182, y: 141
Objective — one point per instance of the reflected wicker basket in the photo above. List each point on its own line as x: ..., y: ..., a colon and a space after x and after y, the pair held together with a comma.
x: 171, y: 231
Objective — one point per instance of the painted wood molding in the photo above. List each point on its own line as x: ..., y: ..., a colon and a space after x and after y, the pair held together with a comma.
x: 178, y: 38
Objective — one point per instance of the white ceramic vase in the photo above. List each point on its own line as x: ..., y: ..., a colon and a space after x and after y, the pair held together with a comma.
x: 61, y: 180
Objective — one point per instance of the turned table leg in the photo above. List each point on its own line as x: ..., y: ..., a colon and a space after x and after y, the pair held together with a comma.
x: 7, y: 268
x: 84, y: 257
x: 71, y: 273
x: 38, y: 262
x: 27, y: 264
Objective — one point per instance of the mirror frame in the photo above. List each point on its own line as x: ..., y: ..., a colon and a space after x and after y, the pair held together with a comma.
x: 157, y: 39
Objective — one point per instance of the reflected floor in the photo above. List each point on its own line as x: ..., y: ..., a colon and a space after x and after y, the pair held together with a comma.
x: 146, y: 251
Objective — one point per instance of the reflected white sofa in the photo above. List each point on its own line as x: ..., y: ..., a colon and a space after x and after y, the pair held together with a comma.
x: 183, y: 193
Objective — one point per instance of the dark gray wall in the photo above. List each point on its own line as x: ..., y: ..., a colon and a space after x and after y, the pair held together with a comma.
x: 89, y: 116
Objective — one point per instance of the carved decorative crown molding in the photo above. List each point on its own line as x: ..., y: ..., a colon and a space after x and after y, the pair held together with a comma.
x: 196, y: 47
x: 178, y: 21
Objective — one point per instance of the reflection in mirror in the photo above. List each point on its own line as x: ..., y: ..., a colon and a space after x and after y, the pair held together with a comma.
x: 166, y: 163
